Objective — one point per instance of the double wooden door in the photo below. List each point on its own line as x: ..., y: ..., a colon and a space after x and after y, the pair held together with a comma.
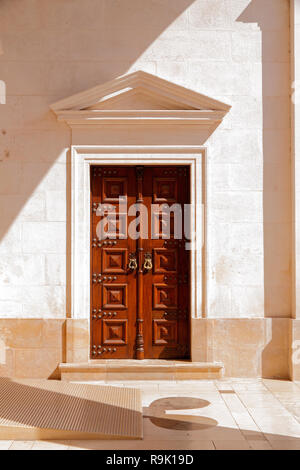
x: 139, y: 262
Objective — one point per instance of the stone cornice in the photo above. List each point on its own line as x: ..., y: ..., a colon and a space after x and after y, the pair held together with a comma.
x: 193, y: 108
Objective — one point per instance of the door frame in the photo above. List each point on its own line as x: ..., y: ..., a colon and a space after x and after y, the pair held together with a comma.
x: 82, y: 157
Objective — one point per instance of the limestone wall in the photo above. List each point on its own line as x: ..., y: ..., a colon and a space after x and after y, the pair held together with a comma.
x: 233, y: 50
x: 33, y: 348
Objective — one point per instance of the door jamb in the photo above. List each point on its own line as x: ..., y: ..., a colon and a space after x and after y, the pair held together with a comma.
x: 85, y: 156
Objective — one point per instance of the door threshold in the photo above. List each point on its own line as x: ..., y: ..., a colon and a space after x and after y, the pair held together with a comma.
x: 147, y: 369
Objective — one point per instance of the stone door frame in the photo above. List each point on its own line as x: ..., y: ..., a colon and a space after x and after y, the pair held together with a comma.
x: 82, y: 157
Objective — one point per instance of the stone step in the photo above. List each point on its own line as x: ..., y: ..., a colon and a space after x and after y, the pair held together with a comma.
x: 119, y: 370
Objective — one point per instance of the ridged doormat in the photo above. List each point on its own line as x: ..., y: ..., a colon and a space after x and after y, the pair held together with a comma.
x: 50, y: 409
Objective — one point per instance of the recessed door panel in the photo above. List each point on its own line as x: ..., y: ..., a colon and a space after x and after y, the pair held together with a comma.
x: 114, y: 260
x: 114, y: 332
x: 164, y: 332
x: 165, y: 261
x: 114, y: 296
x: 164, y: 296
x: 113, y: 188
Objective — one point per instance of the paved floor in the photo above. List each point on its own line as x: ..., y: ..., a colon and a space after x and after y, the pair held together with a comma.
x: 235, y: 414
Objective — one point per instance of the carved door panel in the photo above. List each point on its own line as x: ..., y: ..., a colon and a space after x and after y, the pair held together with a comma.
x: 139, y: 286
x: 166, y: 285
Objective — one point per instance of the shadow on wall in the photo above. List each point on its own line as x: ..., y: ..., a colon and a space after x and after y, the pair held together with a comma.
x: 51, y: 49
x: 277, y: 209
x: 81, y: 46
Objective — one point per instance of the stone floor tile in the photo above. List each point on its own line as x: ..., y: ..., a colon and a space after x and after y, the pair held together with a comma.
x: 145, y: 387
x: 260, y: 445
x: 21, y: 445
x: 253, y: 435
x: 146, y: 444
x: 183, y: 386
x: 257, y: 401
x: 245, y: 422
x: 210, y: 397
x: 280, y: 385
x: 105, y: 445
x: 205, y: 429
x: 231, y: 445
x: 5, y: 445
x: 50, y: 445
x: 223, y: 384
x: 234, y: 403
x: 287, y: 444
x: 199, y: 384
x: 259, y: 388
x: 270, y: 411
x: 279, y: 430
x: 177, y: 445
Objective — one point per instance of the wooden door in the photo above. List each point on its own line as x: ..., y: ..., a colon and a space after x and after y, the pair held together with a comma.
x: 140, y: 285
x: 166, y: 285
x: 113, y: 284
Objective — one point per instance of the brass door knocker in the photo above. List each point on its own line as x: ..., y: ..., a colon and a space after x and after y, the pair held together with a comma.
x: 132, y: 262
x: 148, y: 262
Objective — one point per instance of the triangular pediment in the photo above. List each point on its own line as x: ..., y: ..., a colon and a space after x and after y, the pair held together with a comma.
x: 142, y: 96
x: 138, y: 99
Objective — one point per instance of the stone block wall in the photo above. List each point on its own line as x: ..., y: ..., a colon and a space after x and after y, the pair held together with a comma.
x: 237, y: 51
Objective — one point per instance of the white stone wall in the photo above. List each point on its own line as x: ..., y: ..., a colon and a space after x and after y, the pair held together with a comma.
x: 233, y: 50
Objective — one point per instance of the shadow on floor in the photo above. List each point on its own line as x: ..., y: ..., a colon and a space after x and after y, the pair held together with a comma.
x: 178, y: 421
